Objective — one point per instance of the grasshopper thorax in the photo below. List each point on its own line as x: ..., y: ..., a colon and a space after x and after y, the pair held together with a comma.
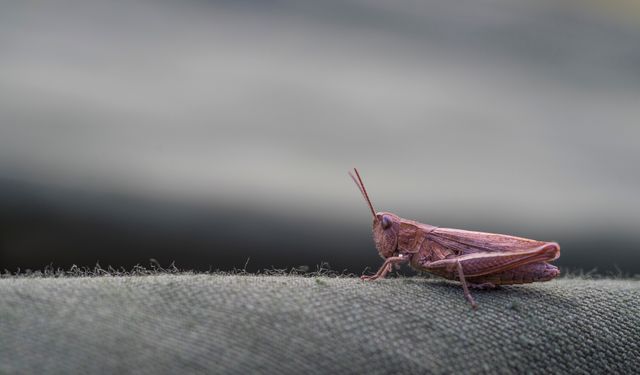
x: 386, y: 227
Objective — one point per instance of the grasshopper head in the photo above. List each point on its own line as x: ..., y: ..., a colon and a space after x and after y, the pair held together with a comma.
x: 386, y: 225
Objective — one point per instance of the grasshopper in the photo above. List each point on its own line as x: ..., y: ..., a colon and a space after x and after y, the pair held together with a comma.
x: 477, y: 260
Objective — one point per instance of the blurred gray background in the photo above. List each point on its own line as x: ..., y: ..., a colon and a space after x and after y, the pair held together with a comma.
x: 212, y: 133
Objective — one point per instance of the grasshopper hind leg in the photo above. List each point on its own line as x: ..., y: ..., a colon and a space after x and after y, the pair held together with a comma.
x: 465, y: 287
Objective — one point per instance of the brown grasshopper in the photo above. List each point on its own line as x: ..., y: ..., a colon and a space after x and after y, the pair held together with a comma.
x: 478, y: 260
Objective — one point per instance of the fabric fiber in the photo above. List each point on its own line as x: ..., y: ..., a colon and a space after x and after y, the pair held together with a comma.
x: 238, y: 324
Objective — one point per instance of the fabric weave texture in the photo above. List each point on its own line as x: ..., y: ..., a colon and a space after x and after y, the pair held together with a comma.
x: 210, y: 323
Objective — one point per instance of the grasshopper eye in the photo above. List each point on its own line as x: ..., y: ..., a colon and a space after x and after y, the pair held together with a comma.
x: 386, y: 222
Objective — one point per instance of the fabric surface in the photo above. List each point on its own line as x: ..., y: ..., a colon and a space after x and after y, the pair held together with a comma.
x: 284, y: 324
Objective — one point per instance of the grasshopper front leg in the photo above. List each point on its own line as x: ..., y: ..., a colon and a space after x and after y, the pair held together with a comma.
x: 385, y: 268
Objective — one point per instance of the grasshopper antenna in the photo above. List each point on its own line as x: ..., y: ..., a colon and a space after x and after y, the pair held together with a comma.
x: 363, y: 191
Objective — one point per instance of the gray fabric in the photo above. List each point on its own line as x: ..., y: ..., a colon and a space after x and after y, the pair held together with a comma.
x: 285, y: 324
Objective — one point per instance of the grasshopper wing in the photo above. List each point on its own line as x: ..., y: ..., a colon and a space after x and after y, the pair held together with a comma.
x: 486, y: 253
x: 464, y: 242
